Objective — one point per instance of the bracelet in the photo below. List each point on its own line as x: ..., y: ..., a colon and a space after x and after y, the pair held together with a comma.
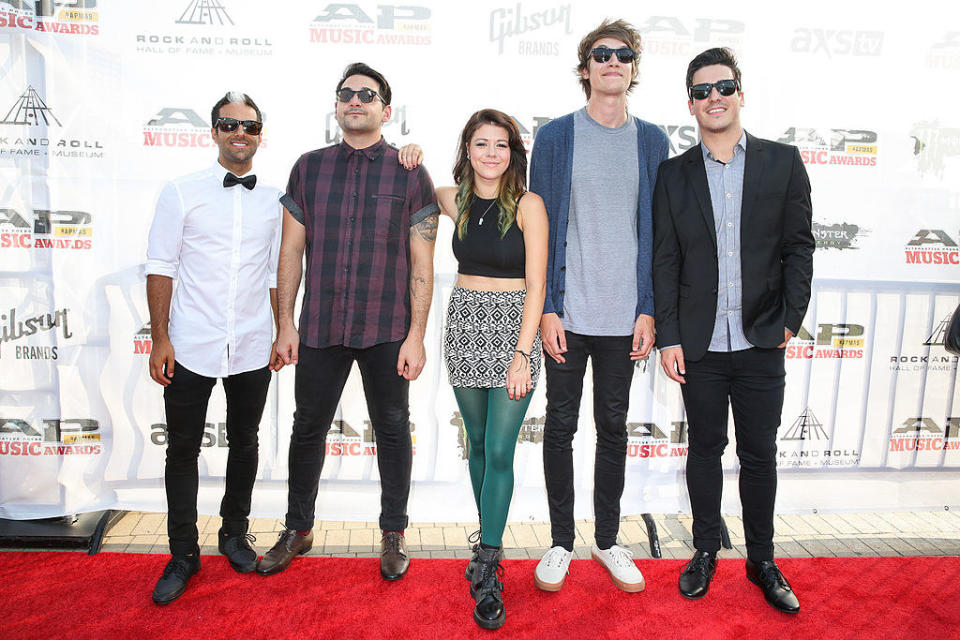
x: 525, y: 355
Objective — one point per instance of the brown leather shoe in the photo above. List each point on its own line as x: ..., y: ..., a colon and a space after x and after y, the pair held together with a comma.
x: 394, y: 561
x: 289, y: 545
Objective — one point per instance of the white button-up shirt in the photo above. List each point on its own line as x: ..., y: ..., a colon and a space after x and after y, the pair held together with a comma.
x: 221, y: 247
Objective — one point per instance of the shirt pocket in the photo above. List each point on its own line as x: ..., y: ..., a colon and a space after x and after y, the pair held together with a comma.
x: 389, y: 209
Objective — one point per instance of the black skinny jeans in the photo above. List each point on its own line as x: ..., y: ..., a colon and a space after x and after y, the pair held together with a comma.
x: 612, y: 376
x: 320, y: 377
x: 185, y: 400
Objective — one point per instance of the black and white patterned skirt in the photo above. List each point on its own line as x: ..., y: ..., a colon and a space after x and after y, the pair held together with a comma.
x: 480, y: 337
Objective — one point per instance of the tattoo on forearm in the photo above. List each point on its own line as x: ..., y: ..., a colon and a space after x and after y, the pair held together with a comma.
x: 427, y: 228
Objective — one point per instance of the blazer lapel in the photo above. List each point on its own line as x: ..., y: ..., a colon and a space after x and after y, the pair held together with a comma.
x: 752, y: 179
x: 697, y: 178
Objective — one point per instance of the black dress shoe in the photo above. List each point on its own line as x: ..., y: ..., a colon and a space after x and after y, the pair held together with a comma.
x: 242, y: 557
x: 289, y: 545
x: 487, y: 588
x: 696, y: 576
x: 176, y: 574
x: 394, y: 560
x: 775, y: 587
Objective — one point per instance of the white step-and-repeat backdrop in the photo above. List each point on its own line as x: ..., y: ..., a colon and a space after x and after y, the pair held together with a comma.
x: 101, y: 101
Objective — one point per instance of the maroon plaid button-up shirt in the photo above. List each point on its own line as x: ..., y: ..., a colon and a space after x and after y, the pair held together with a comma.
x: 357, y: 207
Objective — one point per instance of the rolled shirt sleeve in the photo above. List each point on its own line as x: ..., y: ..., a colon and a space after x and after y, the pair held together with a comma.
x: 166, y: 234
x: 421, y: 197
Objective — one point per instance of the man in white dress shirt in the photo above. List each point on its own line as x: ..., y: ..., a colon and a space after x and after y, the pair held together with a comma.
x: 217, y: 232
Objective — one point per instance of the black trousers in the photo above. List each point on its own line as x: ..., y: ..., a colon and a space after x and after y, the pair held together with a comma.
x: 185, y: 400
x: 612, y: 376
x: 752, y: 383
x: 320, y: 376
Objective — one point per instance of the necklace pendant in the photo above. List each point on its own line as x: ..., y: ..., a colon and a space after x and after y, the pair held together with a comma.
x: 480, y: 222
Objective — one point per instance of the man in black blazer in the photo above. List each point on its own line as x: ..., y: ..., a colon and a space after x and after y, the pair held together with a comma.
x: 733, y: 260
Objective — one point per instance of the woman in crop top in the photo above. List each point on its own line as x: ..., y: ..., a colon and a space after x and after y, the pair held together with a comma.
x: 491, y: 339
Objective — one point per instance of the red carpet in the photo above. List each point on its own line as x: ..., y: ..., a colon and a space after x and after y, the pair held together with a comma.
x: 75, y: 596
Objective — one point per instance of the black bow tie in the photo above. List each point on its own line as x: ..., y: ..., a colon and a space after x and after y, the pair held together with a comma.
x: 248, y: 181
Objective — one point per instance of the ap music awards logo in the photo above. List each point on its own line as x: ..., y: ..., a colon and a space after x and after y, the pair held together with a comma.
x: 933, y: 145
x: 527, y: 32
x: 650, y: 440
x: 925, y: 434
x: 841, y: 235
x: 932, y: 246
x: 142, y: 341
x: 802, y: 446
x: 41, y: 229
x: 381, y: 24
x: 528, y: 129
x: 60, y: 17
x: 850, y: 147
x: 674, y: 36
x: 945, y: 52
x: 16, y: 327
x: 833, y: 341
x: 930, y: 358
x: 203, y: 28
x: 50, y: 437
x: 20, y: 138
x: 180, y: 127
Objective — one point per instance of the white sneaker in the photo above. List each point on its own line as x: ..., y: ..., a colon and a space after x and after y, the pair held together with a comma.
x: 553, y: 569
x: 623, y: 571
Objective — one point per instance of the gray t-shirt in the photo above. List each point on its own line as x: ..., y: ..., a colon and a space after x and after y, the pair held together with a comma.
x: 600, y: 297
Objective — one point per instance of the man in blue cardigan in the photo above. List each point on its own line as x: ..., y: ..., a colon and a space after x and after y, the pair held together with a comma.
x: 595, y: 169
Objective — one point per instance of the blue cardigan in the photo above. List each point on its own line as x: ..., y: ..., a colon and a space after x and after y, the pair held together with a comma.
x: 551, y: 170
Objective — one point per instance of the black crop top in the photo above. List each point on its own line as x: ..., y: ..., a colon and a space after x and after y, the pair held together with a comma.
x: 483, y: 252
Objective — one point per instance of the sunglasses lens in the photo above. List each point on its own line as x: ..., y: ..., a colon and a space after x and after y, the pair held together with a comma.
x: 727, y: 87
x: 601, y: 54
x: 228, y: 125
x: 252, y: 127
x: 701, y: 91
x: 366, y: 95
x: 626, y: 55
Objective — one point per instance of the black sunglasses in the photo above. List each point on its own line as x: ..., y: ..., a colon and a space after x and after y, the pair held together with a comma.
x: 624, y: 54
x: 229, y: 125
x: 366, y: 95
x: 703, y: 90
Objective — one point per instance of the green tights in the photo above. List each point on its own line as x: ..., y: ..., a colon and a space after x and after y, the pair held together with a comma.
x: 492, y: 421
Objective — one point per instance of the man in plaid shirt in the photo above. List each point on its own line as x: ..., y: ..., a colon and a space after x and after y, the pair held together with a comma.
x: 369, y: 227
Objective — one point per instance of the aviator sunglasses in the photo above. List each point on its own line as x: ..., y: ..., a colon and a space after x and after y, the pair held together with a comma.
x: 703, y: 90
x: 229, y: 125
x: 366, y: 94
x: 624, y: 54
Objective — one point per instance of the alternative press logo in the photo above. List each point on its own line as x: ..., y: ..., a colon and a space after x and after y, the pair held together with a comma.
x: 832, y: 341
x: 932, y: 246
x: 177, y: 127
x: 59, y: 17
x: 43, y: 229
x: 674, y: 36
x: 852, y: 147
x: 203, y: 28
x: 52, y: 436
x: 29, y: 117
x: 837, y: 42
x: 924, y: 434
x: 650, y: 440
x: 933, y: 145
x: 945, y: 53
x: 343, y: 23
x: 527, y: 30
x: 801, y: 446
x: 142, y: 341
x: 841, y: 235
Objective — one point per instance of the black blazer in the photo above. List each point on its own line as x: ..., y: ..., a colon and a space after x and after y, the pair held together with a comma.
x: 776, y: 248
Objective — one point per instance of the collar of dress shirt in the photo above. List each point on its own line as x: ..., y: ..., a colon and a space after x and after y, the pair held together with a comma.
x: 371, y: 153
x: 741, y: 143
